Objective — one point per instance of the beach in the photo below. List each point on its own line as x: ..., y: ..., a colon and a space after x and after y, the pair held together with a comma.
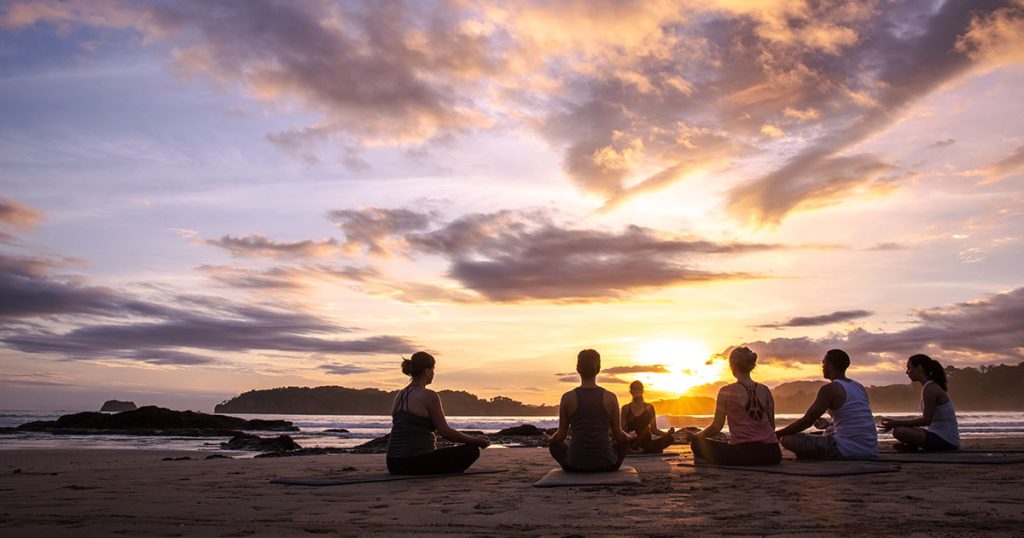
x: 47, y: 492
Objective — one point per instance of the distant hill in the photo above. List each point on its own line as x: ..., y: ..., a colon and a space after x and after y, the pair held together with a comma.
x: 332, y: 400
x: 987, y: 388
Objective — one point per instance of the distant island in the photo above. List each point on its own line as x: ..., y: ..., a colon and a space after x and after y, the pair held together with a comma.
x: 116, y: 406
x: 987, y: 388
x: 333, y: 400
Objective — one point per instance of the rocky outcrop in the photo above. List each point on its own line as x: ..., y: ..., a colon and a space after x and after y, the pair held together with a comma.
x: 515, y: 431
x: 151, y: 420
x: 117, y: 406
x: 245, y: 441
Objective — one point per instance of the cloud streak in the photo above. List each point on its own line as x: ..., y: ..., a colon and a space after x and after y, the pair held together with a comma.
x: 824, y: 319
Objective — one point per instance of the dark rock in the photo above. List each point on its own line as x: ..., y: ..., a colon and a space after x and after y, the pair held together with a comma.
x: 245, y: 441
x: 16, y: 471
x: 374, y: 446
x: 116, y: 406
x: 8, y: 430
x: 152, y: 420
x: 315, y: 451
x: 218, y: 457
x: 182, y: 458
x: 336, y: 430
x: 525, y: 429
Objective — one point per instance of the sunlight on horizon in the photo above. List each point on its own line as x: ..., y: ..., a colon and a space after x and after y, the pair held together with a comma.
x: 689, y: 364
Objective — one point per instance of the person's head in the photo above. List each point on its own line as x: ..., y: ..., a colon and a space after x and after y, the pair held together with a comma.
x: 922, y: 368
x: 636, y: 390
x: 742, y: 360
x: 834, y: 364
x: 420, y: 367
x: 588, y: 363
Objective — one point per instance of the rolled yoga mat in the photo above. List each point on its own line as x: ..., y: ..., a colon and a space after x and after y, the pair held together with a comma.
x: 807, y: 468
x: 558, y: 478
x: 376, y: 477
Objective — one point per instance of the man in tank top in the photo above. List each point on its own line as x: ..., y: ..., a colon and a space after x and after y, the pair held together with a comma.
x: 853, y: 435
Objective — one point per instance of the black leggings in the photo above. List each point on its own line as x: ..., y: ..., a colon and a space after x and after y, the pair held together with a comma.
x: 455, y: 459
x: 651, y: 445
x: 558, y: 452
x: 722, y: 453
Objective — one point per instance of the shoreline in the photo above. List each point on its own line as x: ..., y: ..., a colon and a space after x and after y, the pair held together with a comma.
x: 137, y: 493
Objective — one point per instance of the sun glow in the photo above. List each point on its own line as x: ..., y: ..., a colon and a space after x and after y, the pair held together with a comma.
x: 688, y: 364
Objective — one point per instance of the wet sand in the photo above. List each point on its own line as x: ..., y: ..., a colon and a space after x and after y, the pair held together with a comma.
x: 135, y: 493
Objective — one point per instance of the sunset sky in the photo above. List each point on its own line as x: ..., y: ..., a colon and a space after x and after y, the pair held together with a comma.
x: 203, y: 198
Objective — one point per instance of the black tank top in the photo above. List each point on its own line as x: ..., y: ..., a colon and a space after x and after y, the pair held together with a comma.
x: 590, y: 444
x: 411, y: 435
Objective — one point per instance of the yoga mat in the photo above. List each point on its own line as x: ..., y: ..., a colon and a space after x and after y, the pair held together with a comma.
x: 654, y: 455
x: 954, y: 457
x: 377, y: 477
x: 806, y: 468
x: 557, y: 478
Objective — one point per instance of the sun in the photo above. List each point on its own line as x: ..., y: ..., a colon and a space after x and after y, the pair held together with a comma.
x: 687, y: 363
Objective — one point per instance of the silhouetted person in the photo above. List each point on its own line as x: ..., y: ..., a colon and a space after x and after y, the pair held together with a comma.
x: 853, y: 434
x: 416, y: 414
x: 749, y: 408
x: 940, y: 431
x: 639, y: 417
x: 590, y: 414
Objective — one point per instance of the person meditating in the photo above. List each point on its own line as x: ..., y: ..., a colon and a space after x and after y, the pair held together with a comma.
x: 853, y: 435
x: 940, y: 430
x: 590, y: 413
x: 415, y: 415
x: 639, y: 417
x: 749, y: 408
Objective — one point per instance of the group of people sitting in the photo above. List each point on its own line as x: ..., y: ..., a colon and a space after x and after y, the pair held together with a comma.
x: 595, y: 435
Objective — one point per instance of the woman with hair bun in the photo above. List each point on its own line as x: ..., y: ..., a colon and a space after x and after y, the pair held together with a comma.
x: 591, y: 414
x: 415, y: 416
x: 750, y: 410
x: 938, y: 418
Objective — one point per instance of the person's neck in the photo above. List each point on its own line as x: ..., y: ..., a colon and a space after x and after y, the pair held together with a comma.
x: 638, y: 399
x: 839, y: 377
x: 418, y: 383
x: 744, y: 379
x: 588, y: 382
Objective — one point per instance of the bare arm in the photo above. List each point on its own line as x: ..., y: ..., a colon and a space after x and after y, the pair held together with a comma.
x: 611, y: 403
x: 826, y: 395
x: 563, y: 421
x: 718, y: 421
x: 622, y: 415
x: 930, y: 397
x: 771, y: 408
x: 444, y: 430
x: 654, y: 422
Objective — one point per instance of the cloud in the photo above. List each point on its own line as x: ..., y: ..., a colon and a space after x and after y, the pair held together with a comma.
x: 259, y: 245
x: 16, y: 214
x: 287, y: 277
x: 510, y: 256
x: 824, y: 319
x: 988, y: 329
x: 1002, y: 169
x: 377, y: 229
x: 344, y: 369
x: 886, y: 246
x: 166, y: 331
x: 945, y: 142
x: 636, y: 369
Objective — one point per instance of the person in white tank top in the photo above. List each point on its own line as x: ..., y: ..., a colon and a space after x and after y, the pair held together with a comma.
x: 936, y: 429
x: 853, y: 434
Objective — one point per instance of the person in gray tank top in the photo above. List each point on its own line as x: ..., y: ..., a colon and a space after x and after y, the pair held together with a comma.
x: 415, y: 416
x: 853, y: 434
x: 588, y: 415
x: 936, y: 429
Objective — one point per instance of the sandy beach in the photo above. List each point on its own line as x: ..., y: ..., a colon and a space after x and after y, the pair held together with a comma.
x: 138, y: 493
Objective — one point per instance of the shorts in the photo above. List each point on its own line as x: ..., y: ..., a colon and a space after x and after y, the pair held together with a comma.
x: 812, y: 447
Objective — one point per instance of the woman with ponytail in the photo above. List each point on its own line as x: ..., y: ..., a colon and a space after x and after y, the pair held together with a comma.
x: 415, y: 416
x: 936, y: 429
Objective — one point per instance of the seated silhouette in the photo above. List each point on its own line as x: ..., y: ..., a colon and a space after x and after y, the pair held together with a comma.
x: 589, y: 416
x: 639, y: 417
x: 749, y: 408
x: 415, y: 416
x: 852, y: 434
x: 936, y: 429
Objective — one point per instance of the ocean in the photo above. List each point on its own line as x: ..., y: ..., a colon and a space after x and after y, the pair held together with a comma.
x: 312, y: 430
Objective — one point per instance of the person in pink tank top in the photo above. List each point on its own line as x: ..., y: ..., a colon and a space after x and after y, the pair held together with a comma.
x: 749, y: 408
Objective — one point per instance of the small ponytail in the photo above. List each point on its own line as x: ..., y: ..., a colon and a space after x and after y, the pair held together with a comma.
x: 932, y: 368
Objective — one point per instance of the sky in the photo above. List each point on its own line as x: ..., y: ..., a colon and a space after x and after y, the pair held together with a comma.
x: 199, y: 199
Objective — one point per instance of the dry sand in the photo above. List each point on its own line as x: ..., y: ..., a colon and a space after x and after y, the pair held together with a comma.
x: 135, y: 493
